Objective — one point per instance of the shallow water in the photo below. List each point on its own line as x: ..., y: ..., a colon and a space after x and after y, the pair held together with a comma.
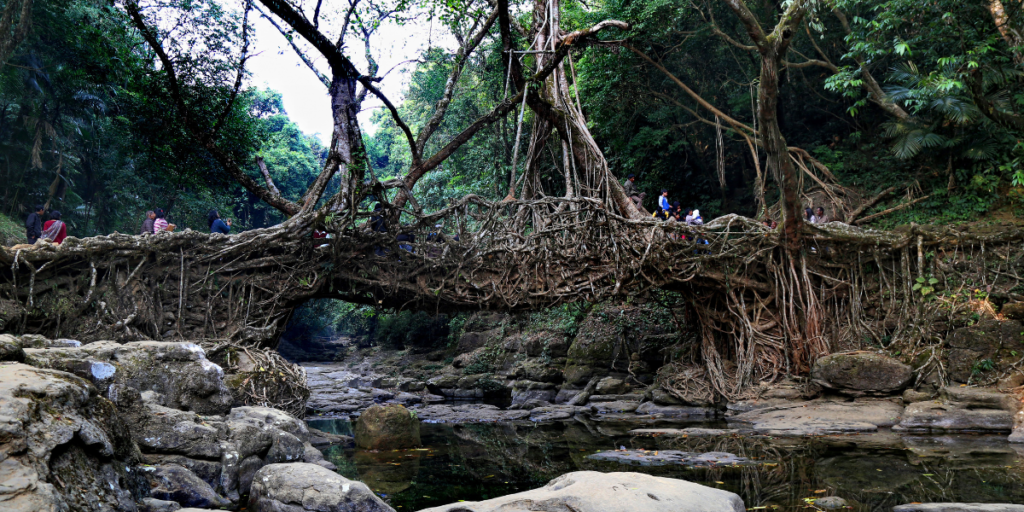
x: 872, y: 472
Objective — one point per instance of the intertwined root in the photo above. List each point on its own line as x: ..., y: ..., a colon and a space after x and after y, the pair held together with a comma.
x: 760, y: 312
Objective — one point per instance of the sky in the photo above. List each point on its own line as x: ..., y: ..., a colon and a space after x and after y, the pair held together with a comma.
x: 275, y: 65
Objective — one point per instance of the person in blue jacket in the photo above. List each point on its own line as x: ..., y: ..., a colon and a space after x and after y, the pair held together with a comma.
x: 216, y: 224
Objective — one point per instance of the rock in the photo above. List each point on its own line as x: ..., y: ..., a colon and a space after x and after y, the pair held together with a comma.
x: 939, y: 417
x: 557, y: 412
x: 469, y: 413
x: 285, y: 448
x: 912, y: 395
x: 616, y: 398
x: 565, y: 395
x: 819, y: 417
x: 610, y: 386
x: 63, y: 446
x: 662, y: 397
x: 974, y: 398
x: 298, y: 487
x: 522, y: 396
x: 1013, y: 310
x: 390, y: 427
x: 10, y: 349
x: 590, y: 491
x: 266, y: 417
x: 614, y: 407
x: 959, y: 507
x: 861, y: 373
x: 177, y: 484
x: 990, y: 346
x: 1017, y: 436
x: 412, y: 385
x: 677, y: 411
x: 155, y: 505
x: 831, y: 503
x: 683, y: 432
x: 179, y: 373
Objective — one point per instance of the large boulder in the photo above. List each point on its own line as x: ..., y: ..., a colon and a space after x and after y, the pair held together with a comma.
x: 299, y: 487
x: 590, y: 491
x: 861, y: 373
x: 63, y: 446
x: 818, y: 417
x: 178, y: 373
x: 390, y: 427
x: 177, y: 484
x: 984, y: 349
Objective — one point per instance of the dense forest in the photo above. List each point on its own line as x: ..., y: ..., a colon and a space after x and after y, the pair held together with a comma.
x: 911, y: 110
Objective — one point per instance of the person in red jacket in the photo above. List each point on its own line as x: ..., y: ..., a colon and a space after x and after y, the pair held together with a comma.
x: 55, y: 229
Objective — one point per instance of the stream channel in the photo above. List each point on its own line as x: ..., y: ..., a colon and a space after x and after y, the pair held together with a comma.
x: 872, y: 472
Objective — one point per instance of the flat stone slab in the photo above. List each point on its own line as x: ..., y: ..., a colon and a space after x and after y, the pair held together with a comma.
x: 615, y: 407
x: 671, y: 458
x: 468, y: 413
x: 616, y: 398
x: 820, y: 417
x: 944, y: 417
x: 958, y: 507
x: 677, y: 411
x: 985, y: 398
x: 684, y: 432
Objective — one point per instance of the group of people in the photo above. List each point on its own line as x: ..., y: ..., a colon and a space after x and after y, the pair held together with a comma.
x: 53, y: 230
x: 156, y: 221
x: 671, y: 212
x: 675, y: 213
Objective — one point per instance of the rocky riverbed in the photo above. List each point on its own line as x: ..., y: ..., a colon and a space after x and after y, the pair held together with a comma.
x: 154, y: 426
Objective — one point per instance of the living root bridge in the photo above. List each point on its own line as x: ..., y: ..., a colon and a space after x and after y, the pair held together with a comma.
x: 760, y: 314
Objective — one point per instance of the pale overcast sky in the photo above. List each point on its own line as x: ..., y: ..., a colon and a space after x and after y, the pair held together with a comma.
x: 305, y: 98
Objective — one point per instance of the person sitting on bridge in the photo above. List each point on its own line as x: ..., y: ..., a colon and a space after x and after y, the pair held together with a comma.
x: 147, y: 225
x: 809, y: 216
x: 406, y: 237
x: 216, y: 224
x: 55, y: 229
x: 631, y: 192
x: 160, y: 223
x: 34, y: 224
x: 696, y: 219
x: 819, y: 216
x: 663, y: 203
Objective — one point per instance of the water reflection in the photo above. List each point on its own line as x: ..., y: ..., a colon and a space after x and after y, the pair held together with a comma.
x: 872, y: 472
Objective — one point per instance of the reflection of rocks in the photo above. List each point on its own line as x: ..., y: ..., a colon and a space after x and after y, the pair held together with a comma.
x: 297, y: 487
x: 819, y: 417
x: 861, y: 471
x: 671, y: 457
x: 959, y: 507
x: 390, y: 427
x: 961, y: 451
x: 590, y: 491
x: 861, y: 373
x: 388, y: 472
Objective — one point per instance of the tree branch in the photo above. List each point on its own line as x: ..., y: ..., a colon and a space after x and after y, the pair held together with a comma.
x: 890, y: 210
x: 298, y: 51
x: 868, y: 204
x: 749, y: 21
x: 266, y: 176
x: 875, y: 92
x: 340, y: 64
x: 241, y: 70
x: 701, y: 101
x: 441, y: 107
x: 394, y: 115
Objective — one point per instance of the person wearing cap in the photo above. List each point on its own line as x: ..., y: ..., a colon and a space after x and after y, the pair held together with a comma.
x: 631, y: 192
x: 55, y: 229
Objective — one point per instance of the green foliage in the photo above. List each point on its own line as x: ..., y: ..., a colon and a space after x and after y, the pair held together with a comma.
x: 985, y: 365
